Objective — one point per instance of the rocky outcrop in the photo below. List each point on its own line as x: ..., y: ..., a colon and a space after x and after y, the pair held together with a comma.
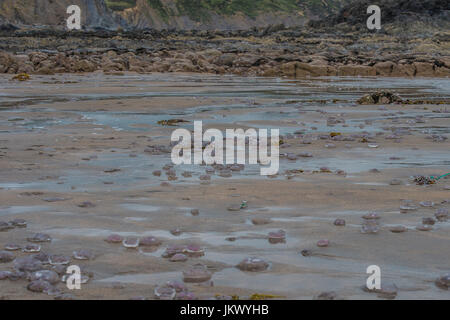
x: 211, y: 61
x: 380, y: 97
x: 397, y: 16
x: 268, y: 51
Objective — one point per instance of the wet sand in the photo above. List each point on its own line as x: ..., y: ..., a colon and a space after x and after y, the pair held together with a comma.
x: 71, y: 139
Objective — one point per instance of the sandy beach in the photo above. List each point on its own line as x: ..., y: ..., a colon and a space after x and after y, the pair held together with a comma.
x: 78, y: 155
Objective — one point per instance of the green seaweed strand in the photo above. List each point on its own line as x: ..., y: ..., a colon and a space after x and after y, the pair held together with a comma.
x: 440, y: 176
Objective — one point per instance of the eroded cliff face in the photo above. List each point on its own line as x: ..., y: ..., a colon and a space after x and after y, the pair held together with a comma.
x: 167, y: 14
x: 53, y: 13
x: 170, y: 15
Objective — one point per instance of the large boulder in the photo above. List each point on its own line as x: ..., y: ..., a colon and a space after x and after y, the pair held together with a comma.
x: 380, y: 97
x: 7, y: 62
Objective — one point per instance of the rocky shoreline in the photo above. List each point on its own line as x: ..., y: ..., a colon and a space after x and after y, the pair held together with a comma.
x: 260, y: 52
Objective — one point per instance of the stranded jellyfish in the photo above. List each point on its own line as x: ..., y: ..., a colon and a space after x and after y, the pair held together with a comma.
x: 46, y: 275
x: 165, y: 293
x: 323, y: 243
x: 194, y: 251
x: 253, y: 264
x: 114, y: 238
x: 12, y: 247
x: 32, y: 248
x: 149, y: 242
x: 58, y: 259
x: 40, y: 286
x: 131, y: 242
x: 196, y: 274
x: 173, y: 250
x: 369, y: 227
x: 40, y: 237
x: 339, y: 222
x: 179, y: 257
x: 83, y: 254
x: 6, y: 257
x: 277, y: 237
x: 397, y: 229
x: 441, y: 214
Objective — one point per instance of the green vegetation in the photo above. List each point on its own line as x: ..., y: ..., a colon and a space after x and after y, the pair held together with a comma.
x: 120, y: 5
x: 198, y: 9
x: 159, y: 6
